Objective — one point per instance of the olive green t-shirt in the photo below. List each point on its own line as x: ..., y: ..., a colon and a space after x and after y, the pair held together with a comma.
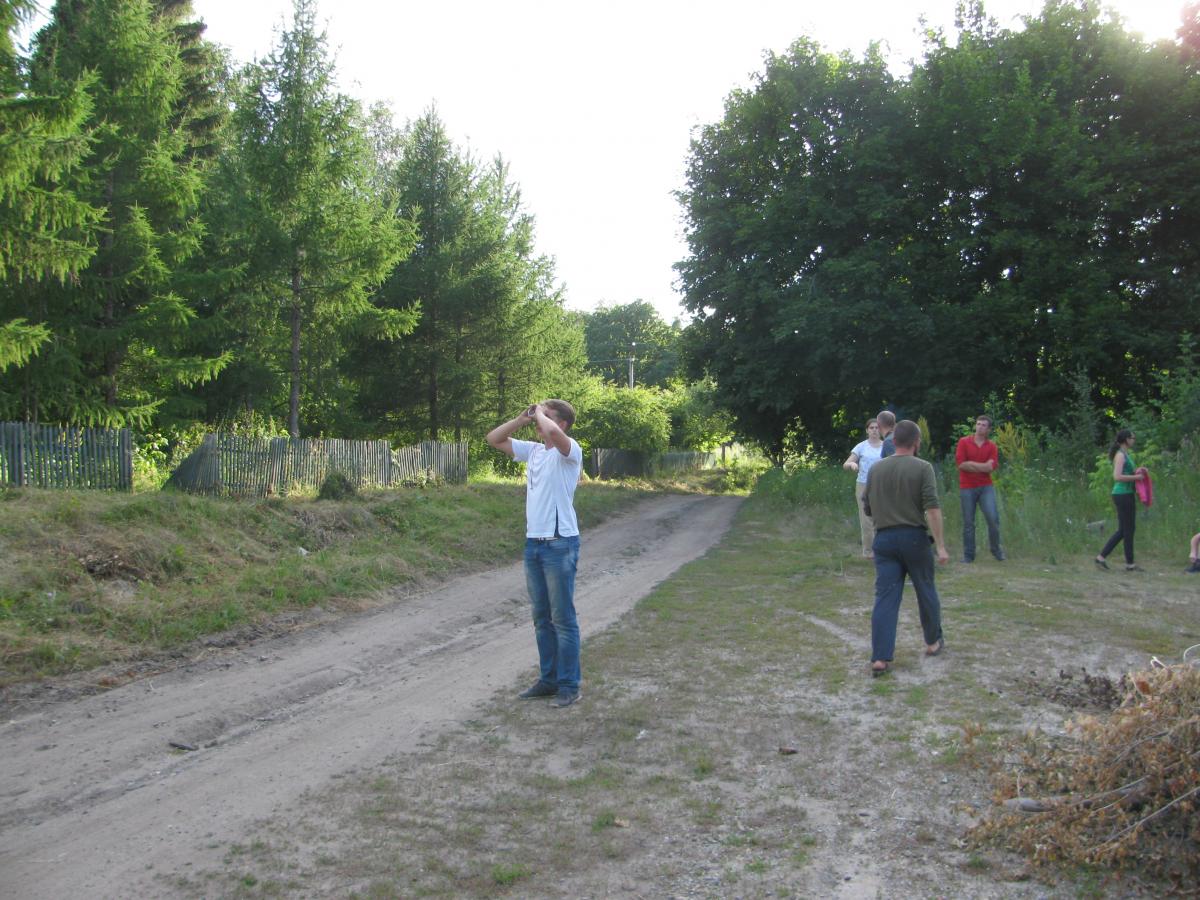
x: 899, y: 490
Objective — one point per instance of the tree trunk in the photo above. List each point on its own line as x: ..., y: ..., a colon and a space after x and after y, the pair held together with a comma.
x: 294, y: 398
x: 112, y: 357
x: 458, y: 400
x: 434, y: 423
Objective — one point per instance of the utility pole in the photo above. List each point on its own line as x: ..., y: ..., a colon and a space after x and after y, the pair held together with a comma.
x: 632, y: 344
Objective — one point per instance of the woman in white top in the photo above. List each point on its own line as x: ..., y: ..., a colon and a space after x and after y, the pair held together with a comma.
x: 861, y: 458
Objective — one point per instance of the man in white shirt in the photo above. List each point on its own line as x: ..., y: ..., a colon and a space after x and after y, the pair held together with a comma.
x: 552, y: 467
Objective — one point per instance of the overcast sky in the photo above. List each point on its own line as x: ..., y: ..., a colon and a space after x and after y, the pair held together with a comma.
x: 593, y: 104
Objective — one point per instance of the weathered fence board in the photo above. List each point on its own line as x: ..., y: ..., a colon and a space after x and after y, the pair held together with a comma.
x: 610, y: 463
x: 239, y: 466
x: 52, y: 456
x: 682, y: 461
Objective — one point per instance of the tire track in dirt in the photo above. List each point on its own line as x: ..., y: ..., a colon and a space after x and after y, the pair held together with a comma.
x: 96, y: 803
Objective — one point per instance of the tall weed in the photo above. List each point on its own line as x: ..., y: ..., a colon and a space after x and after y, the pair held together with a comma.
x: 1173, y: 413
x: 1046, y: 511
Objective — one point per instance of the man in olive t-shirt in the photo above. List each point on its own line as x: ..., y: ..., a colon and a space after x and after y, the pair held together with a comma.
x: 901, y: 498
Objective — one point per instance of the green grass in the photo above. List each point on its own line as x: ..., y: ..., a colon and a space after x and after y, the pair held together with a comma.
x: 87, y: 577
x: 508, y: 874
x: 606, y: 819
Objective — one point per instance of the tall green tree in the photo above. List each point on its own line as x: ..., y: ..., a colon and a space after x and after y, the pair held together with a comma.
x: 1056, y: 169
x: 1020, y: 210
x: 793, y: 206
x: 45, y: 230
x: 619, y: 418
x: 118, y: 324
x: 200, y: 107
x: 315, y: 237
x: 632, y: 330
x: 492, y: 327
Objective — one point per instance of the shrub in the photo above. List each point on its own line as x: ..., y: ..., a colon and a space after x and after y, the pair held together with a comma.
x: 743, y: 473
x: 151, y: 461
x: 337, y: 485
x: 1174, y: 414
x: 697, y: 421
x: 425, y: 478
x: 625, y: 419
x: 809, y: 486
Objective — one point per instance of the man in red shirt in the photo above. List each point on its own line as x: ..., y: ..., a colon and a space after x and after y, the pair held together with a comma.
x: 977, y: 459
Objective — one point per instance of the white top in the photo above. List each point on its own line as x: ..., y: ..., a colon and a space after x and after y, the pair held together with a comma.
x: 550, y: 488
x: 867, y: 457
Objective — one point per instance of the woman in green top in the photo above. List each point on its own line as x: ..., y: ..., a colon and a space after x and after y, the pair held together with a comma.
x: 1124, y: 499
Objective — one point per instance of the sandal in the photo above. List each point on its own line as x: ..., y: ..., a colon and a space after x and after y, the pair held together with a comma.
x: 1100, y: 563
x: 937, y: 648
x: 877, y: 672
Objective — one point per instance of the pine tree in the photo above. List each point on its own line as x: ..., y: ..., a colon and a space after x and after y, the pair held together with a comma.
x: 119, y: 323
x: 45, y: 230
x: 316, y: 236
x: 492, y: 330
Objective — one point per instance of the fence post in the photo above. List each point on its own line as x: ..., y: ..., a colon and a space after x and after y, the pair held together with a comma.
x: 8, y: 452
x: 126, y: 476
x: 275, y: 464
x: 22, y: 477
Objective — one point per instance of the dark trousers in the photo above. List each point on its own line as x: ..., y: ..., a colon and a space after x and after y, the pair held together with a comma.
x: 1126, y: 505
x: 900, y: 551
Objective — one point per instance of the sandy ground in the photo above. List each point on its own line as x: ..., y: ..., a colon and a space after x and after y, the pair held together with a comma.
x: 98, y: 800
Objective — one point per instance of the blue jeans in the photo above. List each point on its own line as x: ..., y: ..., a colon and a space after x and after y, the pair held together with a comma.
x: 899, y: 551
x: 985, y: 498
x: 550, y: 576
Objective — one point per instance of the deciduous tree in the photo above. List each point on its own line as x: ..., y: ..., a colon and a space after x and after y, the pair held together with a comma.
x: 632, y: 330
x: 1019, y: 210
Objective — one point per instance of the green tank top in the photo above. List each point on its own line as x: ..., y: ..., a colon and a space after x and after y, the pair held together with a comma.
x: 1125, y: 487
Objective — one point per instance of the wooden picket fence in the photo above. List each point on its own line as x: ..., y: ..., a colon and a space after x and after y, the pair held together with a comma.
x: 238, y: 466
x: 53, y: 456
x: 682, y: 461
x: 612, y: 463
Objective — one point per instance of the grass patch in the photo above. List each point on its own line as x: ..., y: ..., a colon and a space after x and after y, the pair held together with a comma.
x: 88, y: 578
x: 506, y: 875
x: 606, y: 819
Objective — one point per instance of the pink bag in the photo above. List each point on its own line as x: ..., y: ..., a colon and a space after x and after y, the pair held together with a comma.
x: 1144, y: 488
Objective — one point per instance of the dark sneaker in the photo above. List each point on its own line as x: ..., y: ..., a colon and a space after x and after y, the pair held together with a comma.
x: 566, y: 698
x: 1194, y: 567
x: 539, y: 689
x: 1000, y: 557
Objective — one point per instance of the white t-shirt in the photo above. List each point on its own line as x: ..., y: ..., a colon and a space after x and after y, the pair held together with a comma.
x: 867, y: 457
x: 550, y: 480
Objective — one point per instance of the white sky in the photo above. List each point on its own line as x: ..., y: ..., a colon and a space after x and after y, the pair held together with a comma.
x: 593, y: 104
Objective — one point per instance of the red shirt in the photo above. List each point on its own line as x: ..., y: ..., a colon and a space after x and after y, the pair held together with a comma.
x: 969, y: 451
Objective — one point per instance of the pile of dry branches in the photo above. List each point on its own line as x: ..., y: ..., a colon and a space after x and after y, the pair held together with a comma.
x: 1121, y: 792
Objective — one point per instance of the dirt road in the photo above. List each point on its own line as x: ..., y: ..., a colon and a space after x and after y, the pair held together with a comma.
x: 97, y: 799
